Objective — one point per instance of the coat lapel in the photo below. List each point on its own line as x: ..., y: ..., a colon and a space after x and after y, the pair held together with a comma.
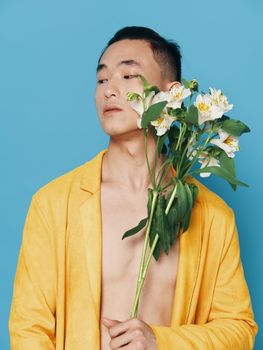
x: 90, y: 213
x: 189, y: 252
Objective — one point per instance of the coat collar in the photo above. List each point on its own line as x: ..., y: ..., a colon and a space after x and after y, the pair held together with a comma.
x: 91, y: 177
x: 189, y: 251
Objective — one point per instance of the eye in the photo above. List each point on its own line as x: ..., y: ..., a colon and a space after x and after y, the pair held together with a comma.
x: 100, y: 81
x: 130, y: 75
x: 127, y: 76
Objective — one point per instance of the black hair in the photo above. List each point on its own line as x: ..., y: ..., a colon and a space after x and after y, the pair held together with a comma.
x: 166, y: 52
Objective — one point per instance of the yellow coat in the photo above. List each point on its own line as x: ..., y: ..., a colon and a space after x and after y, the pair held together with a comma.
x: 57, y: 286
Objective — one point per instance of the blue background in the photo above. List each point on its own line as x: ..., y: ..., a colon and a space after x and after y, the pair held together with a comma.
x: 49, y: 125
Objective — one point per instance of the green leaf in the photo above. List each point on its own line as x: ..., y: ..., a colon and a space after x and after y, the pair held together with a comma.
x: 182, y: 199
x: 194, y: 189
x: 148, y: 87
x: 177, y: 112
x: 135, y: 229
x: 169, y: 235
x: 192, y: 116
x: 164, y: 149
x: 150, y: 198
x: 161, y: 143
x: 174, y: 234
x: 161, y: 224
x: 222, y: 173
x: 172, y: 216
x: 187, y: 216
x: 173, y: 133
x: 177, y: 154
x: 172, y: 220
x: 224, y: 117
x: 229, y: 165
x: 234, y: 127
x: 145, y: 82
x: 152, y: 113
x: 157, y: 250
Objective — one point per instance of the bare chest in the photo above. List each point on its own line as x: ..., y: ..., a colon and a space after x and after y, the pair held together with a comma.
x: 121, y: 262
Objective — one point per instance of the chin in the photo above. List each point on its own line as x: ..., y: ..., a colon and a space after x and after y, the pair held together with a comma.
x: 121, y: 130
x: 119, y: 127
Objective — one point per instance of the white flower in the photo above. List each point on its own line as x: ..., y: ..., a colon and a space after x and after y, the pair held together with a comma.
x: 174, y: 96
x: 206, y: 160
x: 220, y: 102
x: 204, y: 105
x: 177, y: 95
x: 163, y: 123
x: 227, y: 142
x: 211, y: 106
x: 161, y: 96
x: 139, y: 122
x: 137, y: 104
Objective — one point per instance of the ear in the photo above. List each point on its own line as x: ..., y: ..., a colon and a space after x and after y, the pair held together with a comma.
x: 171, y: 84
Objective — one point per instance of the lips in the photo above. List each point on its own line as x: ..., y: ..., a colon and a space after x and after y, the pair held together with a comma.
x: 112, y: 109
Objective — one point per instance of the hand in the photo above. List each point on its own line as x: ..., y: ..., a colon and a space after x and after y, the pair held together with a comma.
x: 135, y: 334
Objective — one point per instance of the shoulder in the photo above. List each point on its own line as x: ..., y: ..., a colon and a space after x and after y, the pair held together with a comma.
x: 61, y: 189
x: 213, y: 206
x: 217, y: 220
x: 61, y: 185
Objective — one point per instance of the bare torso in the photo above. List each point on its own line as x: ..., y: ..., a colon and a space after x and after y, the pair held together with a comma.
x: 122, y: 210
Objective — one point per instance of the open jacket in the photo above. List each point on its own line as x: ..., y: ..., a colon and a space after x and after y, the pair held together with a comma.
x: 57, y: 285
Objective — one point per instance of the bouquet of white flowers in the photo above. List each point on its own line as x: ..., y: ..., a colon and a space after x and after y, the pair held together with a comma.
x: 187, y: 133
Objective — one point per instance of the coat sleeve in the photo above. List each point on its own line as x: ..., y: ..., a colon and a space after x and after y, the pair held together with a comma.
x: 32, y: 314
x: 230, y: 324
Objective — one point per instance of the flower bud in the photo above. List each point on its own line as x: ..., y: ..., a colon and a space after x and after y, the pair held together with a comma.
x: 131, y: 96
x: 193, y: 85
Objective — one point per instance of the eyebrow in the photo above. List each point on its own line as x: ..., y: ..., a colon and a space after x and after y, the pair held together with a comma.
x: 129, y: 62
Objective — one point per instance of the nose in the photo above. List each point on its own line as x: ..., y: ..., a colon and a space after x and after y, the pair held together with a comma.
x: 111, y: 89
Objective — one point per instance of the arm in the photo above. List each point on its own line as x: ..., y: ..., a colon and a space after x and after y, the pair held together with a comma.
x: 231, y: 322
x: 32, y: 314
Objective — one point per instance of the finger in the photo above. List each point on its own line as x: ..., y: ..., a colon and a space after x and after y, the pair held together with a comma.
x: 119, y: 328
x: 130, y: 346
x: 121, y: 341
x: 108, y: 322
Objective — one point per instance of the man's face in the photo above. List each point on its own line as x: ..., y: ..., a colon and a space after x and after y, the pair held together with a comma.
x: 115, y: 79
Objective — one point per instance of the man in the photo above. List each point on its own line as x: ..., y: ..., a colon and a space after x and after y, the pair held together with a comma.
x: 76, y: 278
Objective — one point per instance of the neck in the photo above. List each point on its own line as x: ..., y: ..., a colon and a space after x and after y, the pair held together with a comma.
x: 124, y: 163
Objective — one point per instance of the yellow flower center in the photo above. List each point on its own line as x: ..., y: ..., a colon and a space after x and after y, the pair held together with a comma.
x: 159, y: 120
x: 203, y: 107
x: 230, y: 141
x: 177, y: 95
x: 216, y: 100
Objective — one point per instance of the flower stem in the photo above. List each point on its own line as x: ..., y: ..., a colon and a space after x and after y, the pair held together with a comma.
x: 147, y: 160
x: 183, y: 155
x: 141, y: 281
x: 155, y: 195
x: 146, y: 239
x: 164, y: 172
x: 155, y: 160
x: 181, y: 136
x: 167, y: 185
x: 197, y: 154
x: 171, y: 200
